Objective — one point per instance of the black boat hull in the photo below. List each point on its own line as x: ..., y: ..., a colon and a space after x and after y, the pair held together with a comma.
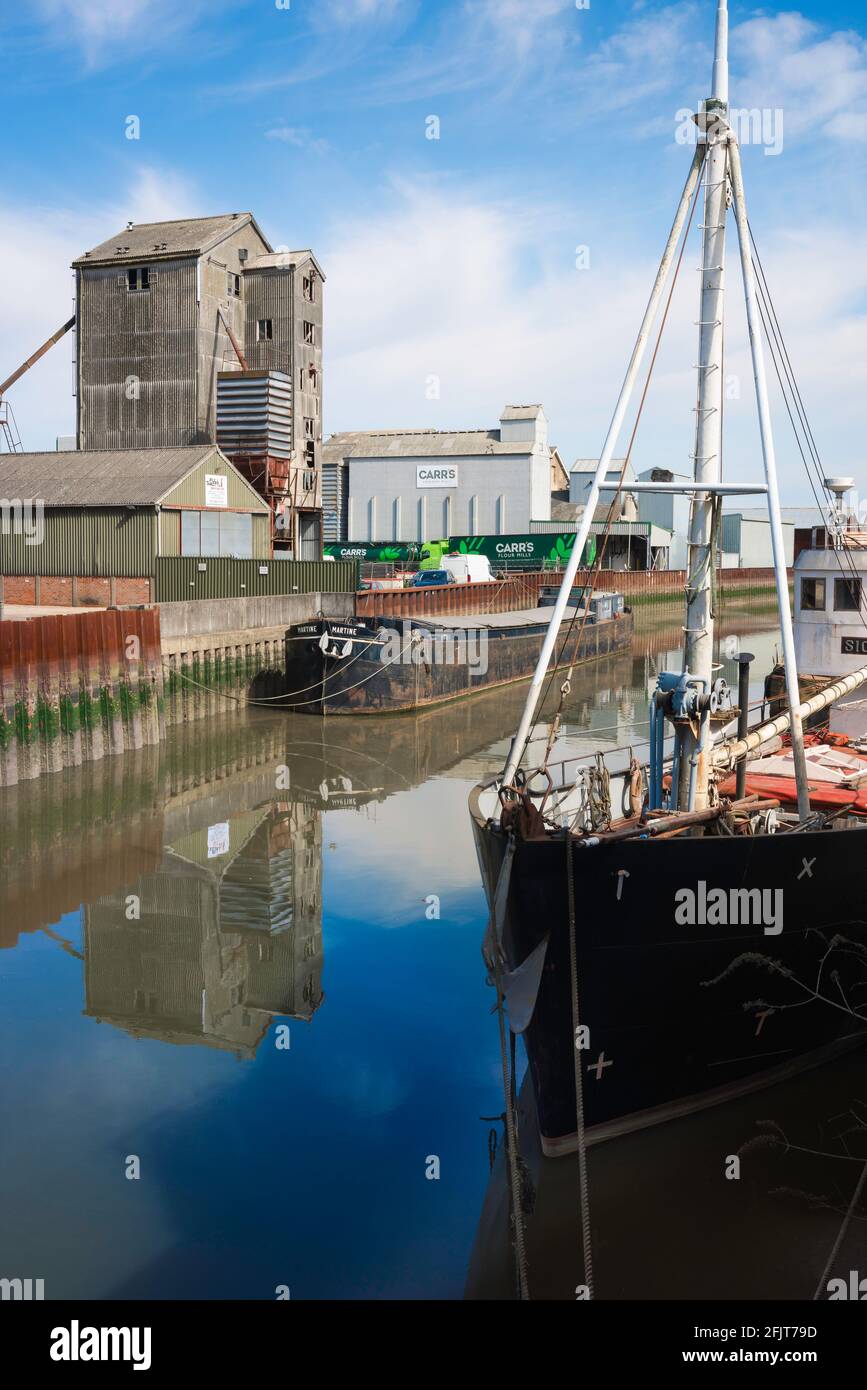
x: 680, y: 1016
x: 362, y: 679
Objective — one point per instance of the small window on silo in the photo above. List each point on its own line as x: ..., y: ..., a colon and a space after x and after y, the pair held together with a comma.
x: 309, y: 333
x: 309, y: 427
x: 309, y: 289
x: 264, y: 330
x: 233, y: 284
x: 138, y: 279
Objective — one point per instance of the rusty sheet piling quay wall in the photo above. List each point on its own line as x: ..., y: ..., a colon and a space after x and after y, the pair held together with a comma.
x: 522, y: 591
x: 220, y: 653
x: 77, y: 687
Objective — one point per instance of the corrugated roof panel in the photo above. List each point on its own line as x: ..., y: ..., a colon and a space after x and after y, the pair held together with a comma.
x: 148, y: 240
x: 99, y: 477
x: 416, y: 444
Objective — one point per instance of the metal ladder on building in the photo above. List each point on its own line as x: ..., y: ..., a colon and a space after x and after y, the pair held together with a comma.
x: 10, y: 439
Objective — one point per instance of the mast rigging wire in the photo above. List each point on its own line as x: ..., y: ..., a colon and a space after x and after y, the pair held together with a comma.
x: 594, y: 574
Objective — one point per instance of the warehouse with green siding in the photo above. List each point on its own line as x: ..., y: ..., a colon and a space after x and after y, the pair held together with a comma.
x: 91, y: 526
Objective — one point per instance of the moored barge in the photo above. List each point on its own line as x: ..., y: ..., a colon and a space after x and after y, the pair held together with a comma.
x: 382, y: 665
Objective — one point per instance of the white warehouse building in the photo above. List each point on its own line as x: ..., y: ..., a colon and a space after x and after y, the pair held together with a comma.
x: 406, y: 485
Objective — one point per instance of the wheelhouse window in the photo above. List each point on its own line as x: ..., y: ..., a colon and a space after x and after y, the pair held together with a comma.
x: 138, y: 279
x: 812, y: 595
x: 847, y: 595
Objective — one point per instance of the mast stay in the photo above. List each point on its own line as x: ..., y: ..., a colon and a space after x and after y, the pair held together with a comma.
x: 688, y: 698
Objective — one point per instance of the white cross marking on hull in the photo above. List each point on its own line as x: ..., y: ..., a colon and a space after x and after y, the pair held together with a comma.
x: 599, y: 1066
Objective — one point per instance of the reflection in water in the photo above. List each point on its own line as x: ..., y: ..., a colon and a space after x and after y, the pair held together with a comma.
x: 259, y: 868
x: 226, y: 935
x: 671, y: 1216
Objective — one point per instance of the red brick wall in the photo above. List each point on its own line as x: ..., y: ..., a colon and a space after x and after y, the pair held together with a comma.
x: 69, y: 593
x: 132, y: 591
x: 19, y: 590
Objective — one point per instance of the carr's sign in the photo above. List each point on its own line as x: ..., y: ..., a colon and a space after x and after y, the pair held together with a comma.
x: 436, y: 475
x: 216, y: 490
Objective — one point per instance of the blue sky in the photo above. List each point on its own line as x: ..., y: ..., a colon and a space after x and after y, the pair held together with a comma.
x: 452, y: 258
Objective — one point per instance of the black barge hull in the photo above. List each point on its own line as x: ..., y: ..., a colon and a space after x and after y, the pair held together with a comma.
x: 679, y: 1016
x: 383, y: 665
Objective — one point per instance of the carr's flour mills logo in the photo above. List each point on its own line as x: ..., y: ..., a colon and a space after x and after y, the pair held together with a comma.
x: 436, y: 475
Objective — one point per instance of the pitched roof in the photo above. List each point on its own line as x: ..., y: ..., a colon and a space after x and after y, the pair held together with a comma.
x: 590, y: 466
x: 189, y: 236
x: 417, y: 444
x: 521, y: 412
x: 282, y: 260
x: 100, y: 477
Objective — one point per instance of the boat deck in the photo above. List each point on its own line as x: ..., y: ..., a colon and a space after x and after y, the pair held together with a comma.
x: 521, y: 617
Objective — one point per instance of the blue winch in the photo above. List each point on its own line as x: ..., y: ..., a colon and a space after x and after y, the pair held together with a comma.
x: 685, y: 700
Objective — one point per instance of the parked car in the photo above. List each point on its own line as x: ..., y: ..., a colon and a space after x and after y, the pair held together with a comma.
x: 424, y: 578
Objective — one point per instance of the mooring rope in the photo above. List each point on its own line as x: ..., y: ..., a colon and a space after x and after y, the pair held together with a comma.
x: 267, y: 702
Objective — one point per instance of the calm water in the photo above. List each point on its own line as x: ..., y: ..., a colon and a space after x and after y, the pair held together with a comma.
x: 250, y: 960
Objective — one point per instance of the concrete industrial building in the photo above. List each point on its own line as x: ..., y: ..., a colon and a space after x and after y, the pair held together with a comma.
x: 745, y: 535
x: 107, y: 516
x: 581, y: 480
x: 405, y: 485
x: 196, y: 331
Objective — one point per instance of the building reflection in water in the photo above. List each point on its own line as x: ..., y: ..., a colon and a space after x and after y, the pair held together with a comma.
x: 226, y: 935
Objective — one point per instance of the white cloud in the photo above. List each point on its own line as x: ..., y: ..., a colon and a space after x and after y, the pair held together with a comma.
x: 819, y: 79
x: 514, y: 25
x: 299, y: 136
x: 101, y: 28
x: 478, y: 295
x: 347, y: 14
x: 40, y: 244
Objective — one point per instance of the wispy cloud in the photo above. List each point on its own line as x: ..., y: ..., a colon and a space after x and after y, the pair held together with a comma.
x: 346, y: 12
x: 818, y: 79
x: 104, y: 29
x: 299, y: 136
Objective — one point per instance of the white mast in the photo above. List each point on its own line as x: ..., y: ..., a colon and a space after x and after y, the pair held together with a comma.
x: 698, y: 637
x: 520, y: 739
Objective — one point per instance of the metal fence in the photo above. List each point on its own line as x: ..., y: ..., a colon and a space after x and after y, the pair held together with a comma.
x: 179, y: 578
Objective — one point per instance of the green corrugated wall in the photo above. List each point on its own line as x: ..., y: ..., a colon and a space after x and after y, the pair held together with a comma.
x: 85, y: 542
x: 178, y: 578
x: 262, y: 536
x: 170, y: 533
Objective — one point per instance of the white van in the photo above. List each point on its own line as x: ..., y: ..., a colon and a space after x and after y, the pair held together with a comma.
x: 467, y: 569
